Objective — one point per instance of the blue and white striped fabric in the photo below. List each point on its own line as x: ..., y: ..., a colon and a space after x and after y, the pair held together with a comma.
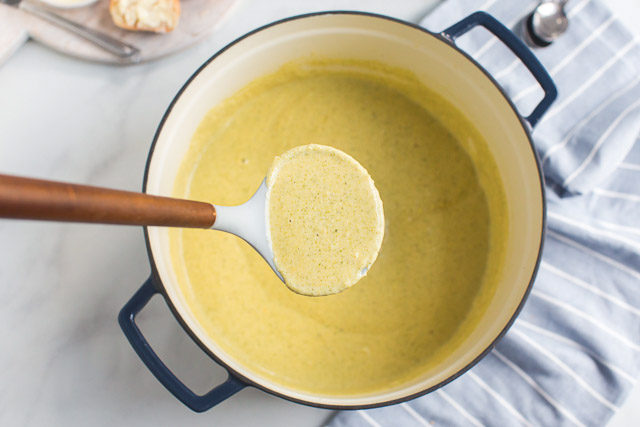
x: 574, y: 352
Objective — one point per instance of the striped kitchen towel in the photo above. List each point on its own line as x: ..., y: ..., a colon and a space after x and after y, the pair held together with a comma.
x: 574, y: 352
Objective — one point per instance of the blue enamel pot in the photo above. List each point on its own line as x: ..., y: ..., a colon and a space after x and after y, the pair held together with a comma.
x: 445, y: 69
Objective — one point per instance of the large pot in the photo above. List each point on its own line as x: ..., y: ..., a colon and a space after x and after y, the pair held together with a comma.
x: 435, y: 59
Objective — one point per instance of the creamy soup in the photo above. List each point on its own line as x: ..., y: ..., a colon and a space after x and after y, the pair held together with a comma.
x: 325, y: 219
x: 445, y: 215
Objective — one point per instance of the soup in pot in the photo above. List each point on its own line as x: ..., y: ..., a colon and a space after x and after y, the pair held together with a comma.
x: 445, y: 229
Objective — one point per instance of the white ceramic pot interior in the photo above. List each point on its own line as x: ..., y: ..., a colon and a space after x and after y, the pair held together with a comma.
x: 441, y: 68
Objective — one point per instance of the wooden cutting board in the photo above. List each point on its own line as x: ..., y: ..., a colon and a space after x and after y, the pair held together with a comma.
x: 198, y: 19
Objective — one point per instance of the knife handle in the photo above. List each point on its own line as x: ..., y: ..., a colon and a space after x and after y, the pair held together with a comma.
x: 123, y: 50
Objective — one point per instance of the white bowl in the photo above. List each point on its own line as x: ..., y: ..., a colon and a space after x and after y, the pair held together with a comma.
x: 67, y: 4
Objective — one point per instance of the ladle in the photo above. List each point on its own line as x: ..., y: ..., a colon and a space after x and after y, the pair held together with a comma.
x: 27, y: 198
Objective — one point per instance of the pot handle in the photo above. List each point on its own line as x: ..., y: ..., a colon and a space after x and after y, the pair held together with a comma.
x: 519, y: 49
x: 197, y: 403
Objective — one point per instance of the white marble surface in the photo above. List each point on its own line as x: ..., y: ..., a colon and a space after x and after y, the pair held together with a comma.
x: 64, y: 359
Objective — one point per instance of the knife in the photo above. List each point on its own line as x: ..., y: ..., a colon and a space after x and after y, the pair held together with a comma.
x: 126, y: 52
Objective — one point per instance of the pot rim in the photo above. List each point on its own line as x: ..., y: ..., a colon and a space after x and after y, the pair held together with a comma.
x: 157, y: 281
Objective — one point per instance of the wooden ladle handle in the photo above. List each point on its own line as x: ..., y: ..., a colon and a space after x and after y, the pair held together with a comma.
x: 26, y: 198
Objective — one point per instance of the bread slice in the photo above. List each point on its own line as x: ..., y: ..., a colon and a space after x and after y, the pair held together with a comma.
x: 159, y: 16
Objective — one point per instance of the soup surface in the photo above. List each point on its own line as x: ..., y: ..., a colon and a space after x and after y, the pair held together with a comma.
x: 324, y: 219
x: 445, y: 217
